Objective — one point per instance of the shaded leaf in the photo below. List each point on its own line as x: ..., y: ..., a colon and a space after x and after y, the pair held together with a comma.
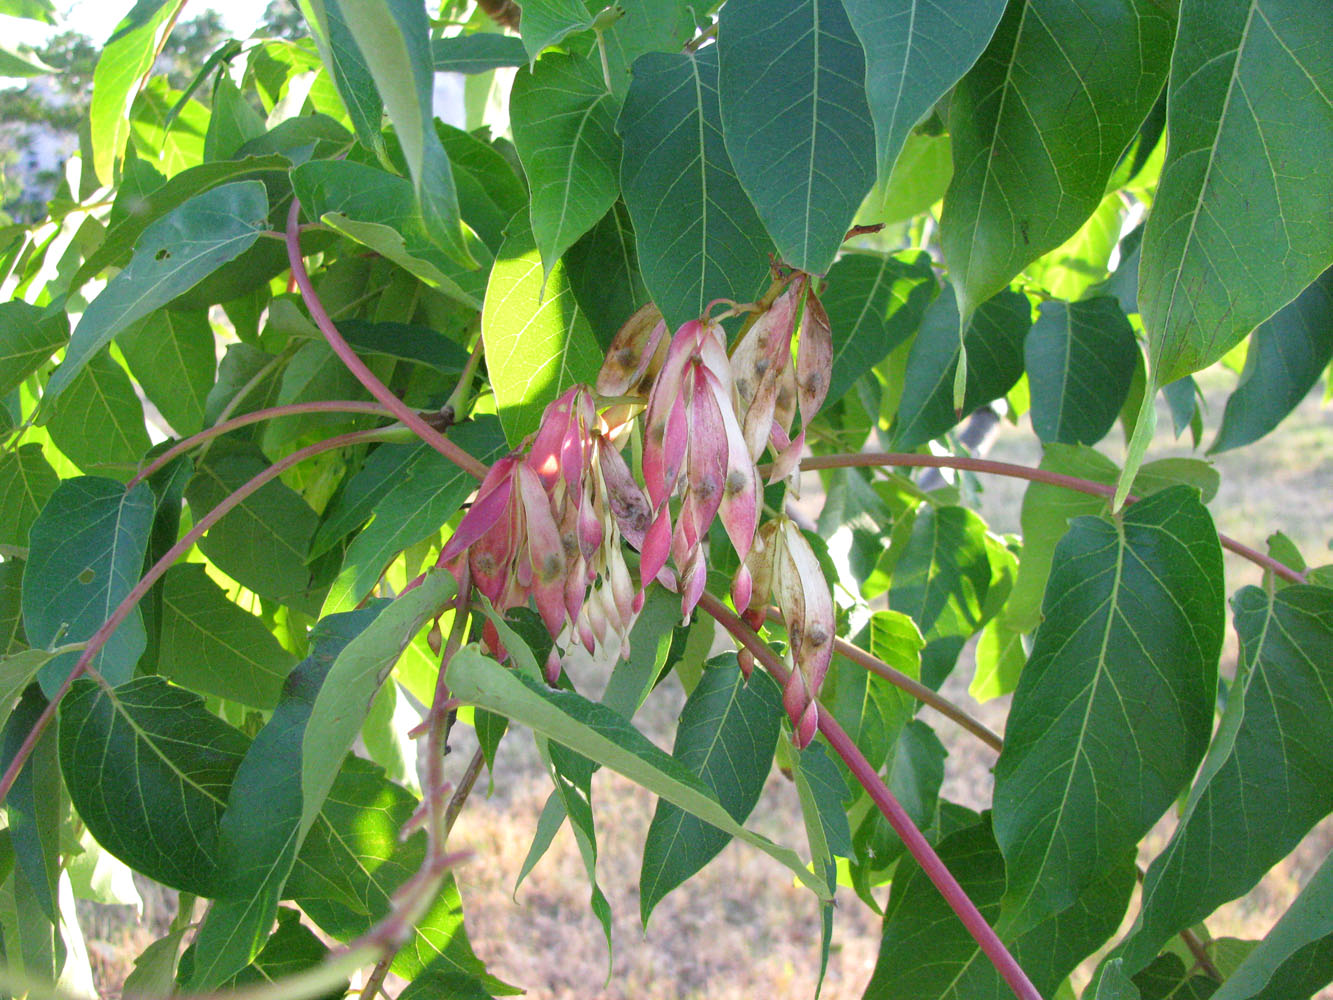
x: 28, y: 338
x: 170, y: 257
x: 994, y: 342
x: 1038, y: 125
x: 210, y: 645
x: 915, y: 51
x: 99, y: 423
x: 1237, y: 825
x: 603, y: 268
x: 87, y: 549
x: 822, y: 790
x: 546, y: 22
x: 808, y: 166
x: 476, y: 53
x: 148, y: 769
x: 1287, y: 354
x: 1080, y: 359
x: 340, y: 53
x: 171, y: 355
x: 564, y: 128
x: 697, y: 233
x: 727, y: 733
x: 1123, y: 667
x: 1250, y: 105
x: 26, y: 483
x: 874, y: 302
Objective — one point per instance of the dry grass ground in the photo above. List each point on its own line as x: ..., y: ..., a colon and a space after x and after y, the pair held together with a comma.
x: 740, y: 929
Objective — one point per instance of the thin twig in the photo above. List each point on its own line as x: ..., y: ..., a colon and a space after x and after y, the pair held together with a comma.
x: 376, y: 978
x: 1200, y: 952
x: 1036, y: 475
x: 916, y: 843
x: 358, y: 367
x: 465, y: 785
x: 695, y: 43
x: 99, y: 638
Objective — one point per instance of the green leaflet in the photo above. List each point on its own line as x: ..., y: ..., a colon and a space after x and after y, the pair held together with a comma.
x: 99, y: 423
x: 909, y: 66
x: 727, y: 733
x: 173, y: 254
x: 35, y: 805
x: 808, y: 166
x: 476, y: 53
x: 126, y: 58
x: 1236, y: 828
x: 564, y: 129
x: 171, y: 355
x: 28, y: 338
x: 394, y: 39
x: 546, y: 22
x: 339, y: 51
x: 379, y: 210
x: 698, y: 235
x: 267, y: 813
x: 262, y: 542
x: 1079, y: 358
x: 874, y: 302
x: 994, y: 343
x: 211, y: 646
x: 538, y: 342
x: 1038, y: 124
x: 87, y: 553
x: 1296, y: 958
x: 148, y: 769
x: 1287, y: 354
x: 603, y: 268
x: 918, y: 923
x: 26, y: 483
x: 605, y: 736
x: 1123, y: 665
x: 822, y: 790
x: 1247, y: 93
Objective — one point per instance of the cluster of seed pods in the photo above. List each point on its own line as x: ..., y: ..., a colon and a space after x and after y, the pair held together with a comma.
x: 548, y: 519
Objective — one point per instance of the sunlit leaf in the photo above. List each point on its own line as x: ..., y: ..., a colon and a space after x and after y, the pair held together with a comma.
x: 26, y: 483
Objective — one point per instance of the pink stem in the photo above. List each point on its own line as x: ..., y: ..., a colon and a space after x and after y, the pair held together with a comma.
x: 910, y: 460
x: 254, y: 417
x: 916, y: 843
x: 358, y: 367
x: 100, y: 637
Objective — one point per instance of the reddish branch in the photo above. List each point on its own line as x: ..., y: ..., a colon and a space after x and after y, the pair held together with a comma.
x: 907, y: 459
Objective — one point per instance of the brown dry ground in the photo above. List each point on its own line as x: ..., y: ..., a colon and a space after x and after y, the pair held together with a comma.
x: 741, y: 929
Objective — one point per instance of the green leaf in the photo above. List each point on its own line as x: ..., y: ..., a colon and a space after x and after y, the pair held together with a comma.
x: 1234, y: 828
x: 1295, y: 959
x: 352, y: 862
x: 262, y: 542
x: 1038, y: 125
x: 134, y: 210
x: 1245, y: 182
x: 26, y: 483
x: 35, y: 10
x: 421, y: 345
x: 940, y: 578
x: 698, y: 235
x: 314, y: 372
x: 1080, y: 359
x: 915, y: 51
x: 126, y: 59
x: 379, y: 211
x: 1000, y: 659
x: 12, y: 637
x: 727, y: 733
x: 807, y: 167
x: 1123, y: 667
x: 994, y: 343
x: 28, y: 338
x: 603, y: 268
x: 538, y: 342
x: 431, y: 490
x: 268, y: 814
x: 171, y: 355
x: 926, y: 952
x: 210, y: 645
x: 1083, y: 260
x: 476, y: 53
x: 21, y: 61
x: 148, y: 769
x: 490, y: 192
x: 154, y: 972
x: 644, y: 26
x: 547, y: 22
x: 290, y: 949
x: 99, y: 423
x: 173, y: 254
x: 34, y: 804
x: 874, y: 302
x: 1167, y: 978
x: 822, y: 790
x: 603, y: 735
x: 340, y: 53
x: 394, y: 38
x: 564, y: 127
x: 87, y: 549
x: 1286, y: 356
